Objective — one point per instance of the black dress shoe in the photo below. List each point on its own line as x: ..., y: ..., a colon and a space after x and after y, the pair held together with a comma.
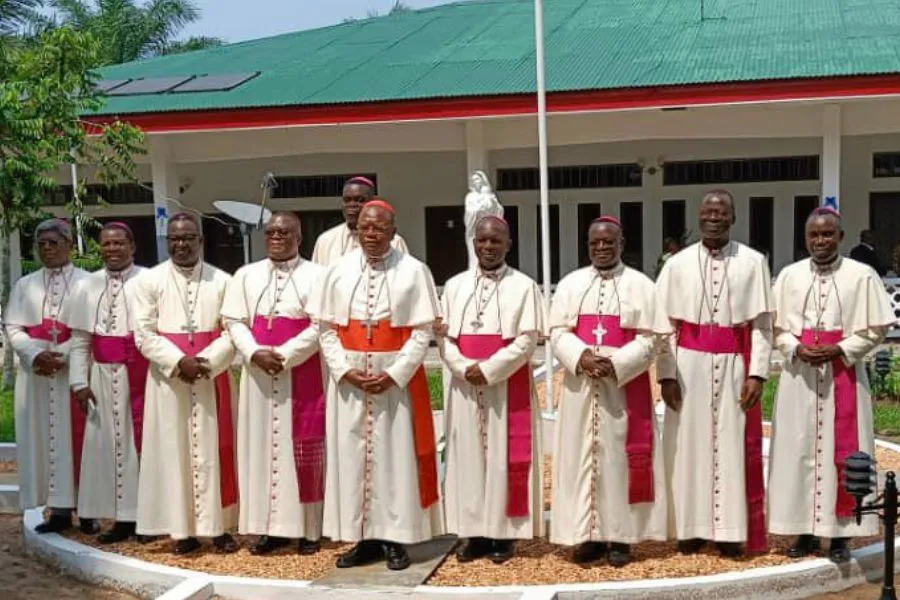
x: 803, y: 546
x: 363, y: 553
x: 88, y: 526
x: 502, y: 551
x: 589, y: 552
x: 267, y: 544
x: 397, y: 557
x: 225, y: 544
x: 691, y: 546
x: 307, y: 547
x: 619, y: 554
x: 56, y: 523
x: 120, y: 532
x: 730, y: 549
x: 839, y: 551
x: 472, y: 549
x: 145, y: 539
x: 186, y: 546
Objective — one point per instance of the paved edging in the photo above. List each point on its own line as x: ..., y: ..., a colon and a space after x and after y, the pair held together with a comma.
x: 8, y: 451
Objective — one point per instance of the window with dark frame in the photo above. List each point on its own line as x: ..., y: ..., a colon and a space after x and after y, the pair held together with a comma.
x: 315, y: 186
x: 631, y: 214
x: 674, y: 220
x: 762, y: 226
x: 586, y: 215
x: 741, y: 170
x: 571, y: 177
x: 886, y: 164
x: 803, y: 206
x: 120, y: 193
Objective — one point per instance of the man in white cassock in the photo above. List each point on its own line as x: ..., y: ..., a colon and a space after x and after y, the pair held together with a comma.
x: 281, y: 411
x: 188, y: 483
x: 830, y: 312
x: 376, y: 307
x: 342, y: 239
x: 49, y: 425
x: 108, y: 376
x: 492, y: 319
x: 609, y: 487
x: 714, y: 312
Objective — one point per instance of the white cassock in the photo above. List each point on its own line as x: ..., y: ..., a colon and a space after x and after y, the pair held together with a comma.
x: 340, y: 240
x: 43, y: 405
x: 185, y: 459
x: 494, y: 321
x: 845, y: 305
x: 100, y: 313
x: 381, y: 479
x: 709, y: 308
x: 267, y: 470
x: 598, y: 421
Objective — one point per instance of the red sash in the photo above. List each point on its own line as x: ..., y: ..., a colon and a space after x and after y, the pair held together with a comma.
x: 639, y: 407
x: 715, y: 339
x: 108, y: 349
x: 307, y: 407
x: 228, y: 478
x: 77, y: 417
x: 518, y: 421
x: 385, y: 338
x: 846, y: 432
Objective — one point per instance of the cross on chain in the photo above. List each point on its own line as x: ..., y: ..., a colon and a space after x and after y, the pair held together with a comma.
x: 369, y: 324
x: 269, y: 319
x: 599, y: 332
x: 190, y: 328
x: 54, y: 333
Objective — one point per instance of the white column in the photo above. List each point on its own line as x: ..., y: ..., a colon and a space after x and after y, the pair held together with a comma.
x: 165, y: 186
x: 831, y: 155
x: 476, y: 149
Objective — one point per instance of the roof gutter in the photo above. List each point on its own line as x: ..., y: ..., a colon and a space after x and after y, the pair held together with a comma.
x: 483, y: 107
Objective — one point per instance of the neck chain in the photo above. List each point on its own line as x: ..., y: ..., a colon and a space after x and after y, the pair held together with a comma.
x: 481, y: 302
x: 112, y: 297
x: 49, y: 276
x: 820, y: 300
x: 189, y: 306
x: 277, y: 293
x: 712, y: 303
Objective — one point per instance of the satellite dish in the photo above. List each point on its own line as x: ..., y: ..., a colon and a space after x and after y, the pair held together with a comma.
x: 245, y: 212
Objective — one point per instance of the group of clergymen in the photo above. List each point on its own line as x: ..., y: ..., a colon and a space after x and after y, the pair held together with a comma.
x: 332, y: 435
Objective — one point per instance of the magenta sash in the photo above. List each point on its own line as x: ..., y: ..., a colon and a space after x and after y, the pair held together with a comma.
x: 108, y: 349
x: 846, y: 432
x: 639, y: 407
x: 518, y: 421
x: 77, y: 416
x: 716, y: 339
x: 228, y: 479
x: 307, y: 407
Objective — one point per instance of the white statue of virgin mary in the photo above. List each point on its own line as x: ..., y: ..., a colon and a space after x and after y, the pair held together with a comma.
x: 481, y: 201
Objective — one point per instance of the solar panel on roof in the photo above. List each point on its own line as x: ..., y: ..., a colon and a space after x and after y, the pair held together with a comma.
x: 215, y: 83
x: 109, y: 84
x: 150, y: 85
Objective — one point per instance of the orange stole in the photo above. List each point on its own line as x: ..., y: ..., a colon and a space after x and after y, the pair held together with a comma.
x: 354, y: 337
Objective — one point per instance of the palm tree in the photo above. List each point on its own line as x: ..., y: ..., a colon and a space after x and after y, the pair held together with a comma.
x: 16, y: 15
x: 128, y: 30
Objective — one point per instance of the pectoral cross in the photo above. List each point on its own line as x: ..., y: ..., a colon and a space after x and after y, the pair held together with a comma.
x: 54, y: 334
x: 269, y: 319
x: 190, y: 328
x: 599, y: 332
x: 369, y: 324
x: 477, y: 323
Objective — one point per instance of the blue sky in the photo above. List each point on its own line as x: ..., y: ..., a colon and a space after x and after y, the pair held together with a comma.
x: 238, y: 20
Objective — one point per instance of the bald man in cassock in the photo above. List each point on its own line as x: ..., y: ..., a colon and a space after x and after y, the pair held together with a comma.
x: 49, y: 425
x: 376, y: 308
x: 608, y: 478
x: 187, y: 486
x: 281, y: 415
x: 830, y: 313
x: 331, y: 245
x: 108, y: 377
x: 714, y: 310
x: 493, y: 316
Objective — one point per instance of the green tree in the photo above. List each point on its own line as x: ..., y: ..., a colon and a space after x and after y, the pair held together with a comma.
x: 396, y: 8
x: 45, y: 88
x: 128, y: 30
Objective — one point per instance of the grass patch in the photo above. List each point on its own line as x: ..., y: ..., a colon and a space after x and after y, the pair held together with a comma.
x: 7, y: 417
x: 436, y: 388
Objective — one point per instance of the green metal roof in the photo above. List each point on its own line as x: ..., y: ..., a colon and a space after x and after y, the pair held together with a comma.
x: 486, y: 47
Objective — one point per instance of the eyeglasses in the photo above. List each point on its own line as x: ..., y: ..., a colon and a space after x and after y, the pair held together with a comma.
x: 48, y: 243
x: 280, y: 233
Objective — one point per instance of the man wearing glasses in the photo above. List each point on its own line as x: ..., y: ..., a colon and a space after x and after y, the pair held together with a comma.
x: 281, y: 412
x: 339, y: 240
x: 188, y: 483
x: 49, y: 428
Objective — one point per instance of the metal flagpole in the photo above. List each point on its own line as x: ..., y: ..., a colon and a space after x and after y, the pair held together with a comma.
x: 79, y: 224
x: 545, y: 188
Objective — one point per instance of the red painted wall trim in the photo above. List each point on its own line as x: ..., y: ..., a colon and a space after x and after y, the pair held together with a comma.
x: 488, y: 106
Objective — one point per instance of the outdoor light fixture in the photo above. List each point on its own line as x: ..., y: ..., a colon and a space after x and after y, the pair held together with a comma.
x: 859, y: 481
